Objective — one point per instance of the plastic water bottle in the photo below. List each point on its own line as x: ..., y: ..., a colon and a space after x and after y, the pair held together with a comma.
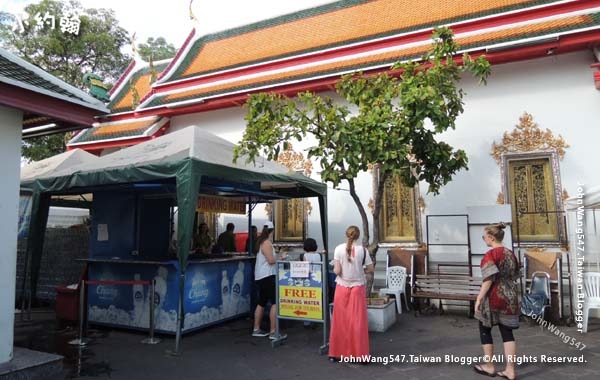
x: 138, y: 301
x: 236, y: 288
x: 160, y: 291
x: 225, y: 294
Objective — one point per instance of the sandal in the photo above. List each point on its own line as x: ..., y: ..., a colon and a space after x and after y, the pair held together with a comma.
x: 505, y: 376
x: 483, y: 372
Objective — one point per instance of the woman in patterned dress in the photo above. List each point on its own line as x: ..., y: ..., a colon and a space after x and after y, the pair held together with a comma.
x: 497, y: 302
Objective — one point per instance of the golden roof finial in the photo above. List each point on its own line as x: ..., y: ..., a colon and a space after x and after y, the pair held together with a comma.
x: 135, y: 101
x: 153, y: 73
x: 192, y: 15
x: 134, y: 48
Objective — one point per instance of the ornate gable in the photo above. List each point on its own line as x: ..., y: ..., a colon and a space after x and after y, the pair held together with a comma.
x: 134, y: 85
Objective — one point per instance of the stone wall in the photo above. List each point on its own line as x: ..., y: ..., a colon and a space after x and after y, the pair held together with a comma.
x: 59, y: 267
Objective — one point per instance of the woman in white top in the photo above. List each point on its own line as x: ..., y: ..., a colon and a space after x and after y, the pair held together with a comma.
x: 349, y: 327
x: 264, y: 276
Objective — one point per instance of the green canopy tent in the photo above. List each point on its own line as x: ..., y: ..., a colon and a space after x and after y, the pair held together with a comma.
x: 44, y: 168
x: 186, y: 156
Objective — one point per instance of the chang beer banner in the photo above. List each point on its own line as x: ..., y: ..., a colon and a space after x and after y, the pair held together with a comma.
x: 300, y: 290
x: 221, y: 205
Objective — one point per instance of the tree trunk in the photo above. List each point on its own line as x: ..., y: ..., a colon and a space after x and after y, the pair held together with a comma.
x: 370, y: 277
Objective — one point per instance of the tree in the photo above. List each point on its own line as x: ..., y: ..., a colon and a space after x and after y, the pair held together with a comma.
x: 38, y: 148
x: 95, y: 48
x: 388, y: 132
x: 156, y: 49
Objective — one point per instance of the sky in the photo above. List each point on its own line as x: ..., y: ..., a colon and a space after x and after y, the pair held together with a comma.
x: 170, y: 18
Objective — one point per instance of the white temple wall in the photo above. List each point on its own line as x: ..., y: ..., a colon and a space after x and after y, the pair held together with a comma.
x: 557, y: 90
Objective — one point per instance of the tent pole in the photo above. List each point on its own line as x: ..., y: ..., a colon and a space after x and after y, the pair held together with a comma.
x: 250, y: 246
x: 24, y: 284
x: 35, y: 240
x: 179, y: 315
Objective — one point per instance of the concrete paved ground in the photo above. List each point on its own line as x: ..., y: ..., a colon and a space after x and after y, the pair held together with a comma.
x: 229, y: 352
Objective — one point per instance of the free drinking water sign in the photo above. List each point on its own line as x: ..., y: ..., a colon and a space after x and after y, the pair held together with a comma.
x: 300, y: 290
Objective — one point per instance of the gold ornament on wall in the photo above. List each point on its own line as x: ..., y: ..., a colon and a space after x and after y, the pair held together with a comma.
x: 371, y: 205
x: 500, y: 199
x: 528, y: 137
x: 308, y: 208
x: 421, y: 203
x: 295, y: 161
x: 565, y: 195
x: 269, y: 210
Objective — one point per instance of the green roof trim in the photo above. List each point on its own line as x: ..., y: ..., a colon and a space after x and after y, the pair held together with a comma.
x: 158, y: 101
x: 199, y: 44
x: 126, y: 87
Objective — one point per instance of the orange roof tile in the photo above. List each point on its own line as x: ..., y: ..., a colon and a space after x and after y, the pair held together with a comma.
x: 132, y: 128
x: 381, y: 58
x: 334, y: 27
x: 112, y: 128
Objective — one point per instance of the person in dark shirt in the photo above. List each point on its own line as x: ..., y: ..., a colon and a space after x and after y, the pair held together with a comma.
x: 226, y: 240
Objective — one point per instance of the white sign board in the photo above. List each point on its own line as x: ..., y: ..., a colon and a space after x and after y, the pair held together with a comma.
x: 102, y: 232
x: 299, y: 269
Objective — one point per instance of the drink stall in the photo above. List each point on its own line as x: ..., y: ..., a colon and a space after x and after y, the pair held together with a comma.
x: 139, y: 193
x: 130, y: 241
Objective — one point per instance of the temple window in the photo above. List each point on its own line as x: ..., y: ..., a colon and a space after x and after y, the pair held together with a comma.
x: 529, y: 161
x: 290, y: 218
x: 290, y: 215
x: 531, y: 194
x: 399, y: 212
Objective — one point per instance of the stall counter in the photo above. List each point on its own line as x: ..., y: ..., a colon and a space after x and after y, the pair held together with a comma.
x: 216, y: 289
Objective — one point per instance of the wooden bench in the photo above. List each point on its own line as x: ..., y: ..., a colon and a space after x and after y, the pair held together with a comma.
x: 447, y: 287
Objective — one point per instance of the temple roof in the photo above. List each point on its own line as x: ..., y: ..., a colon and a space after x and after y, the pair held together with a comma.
x: 328, y: 26
x: 345, y: 36
x: 16, y: 71
x: 119, y: 133
x: 310, y: 49
x: 134, y: 83
x: 49, y: 104
x: 376, y: 58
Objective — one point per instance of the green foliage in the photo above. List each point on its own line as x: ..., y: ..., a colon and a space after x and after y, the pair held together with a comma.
x: 68, y: 56
x: 38, y: 148
x: 395, y: 126
x: 156, y: 49
x: 95, y: 49
x: 389, y: 128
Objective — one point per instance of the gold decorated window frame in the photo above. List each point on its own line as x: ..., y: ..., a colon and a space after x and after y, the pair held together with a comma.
x: 290, y: 228
x: 414, y: 214
x: 527, y: 230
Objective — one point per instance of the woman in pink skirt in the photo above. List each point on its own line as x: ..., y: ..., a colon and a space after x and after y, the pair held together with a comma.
x: 349, y: 327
